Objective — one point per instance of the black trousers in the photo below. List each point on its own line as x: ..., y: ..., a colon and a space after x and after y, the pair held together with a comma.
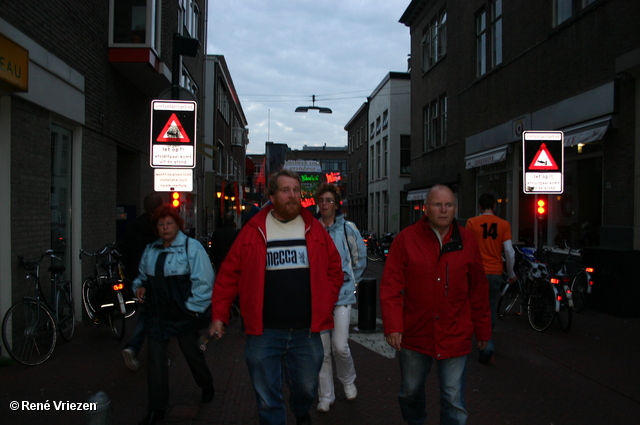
x: 158, y: 378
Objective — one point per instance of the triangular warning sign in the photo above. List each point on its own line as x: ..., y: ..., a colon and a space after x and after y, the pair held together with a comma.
x: 173, y: 131
x: 543, y: 160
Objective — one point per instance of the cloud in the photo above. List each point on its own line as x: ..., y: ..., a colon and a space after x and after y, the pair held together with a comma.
x: 281, y: 52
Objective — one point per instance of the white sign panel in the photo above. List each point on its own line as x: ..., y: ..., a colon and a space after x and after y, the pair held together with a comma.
x: 173, y: 133
x: 173, y: 179
x: 543, y: 162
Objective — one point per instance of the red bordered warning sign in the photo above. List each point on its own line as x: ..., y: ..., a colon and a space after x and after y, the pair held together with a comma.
x: 543, y: 160
x: 173, y: 131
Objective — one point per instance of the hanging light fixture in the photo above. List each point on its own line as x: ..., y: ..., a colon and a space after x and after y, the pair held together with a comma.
x: 320, y: 109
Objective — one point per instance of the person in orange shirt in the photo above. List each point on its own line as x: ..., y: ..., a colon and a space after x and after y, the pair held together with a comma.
x: 494, y: 237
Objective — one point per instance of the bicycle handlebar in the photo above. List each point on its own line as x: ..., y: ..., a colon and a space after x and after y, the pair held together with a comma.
x: 30, y: 265
x: 109, y: 248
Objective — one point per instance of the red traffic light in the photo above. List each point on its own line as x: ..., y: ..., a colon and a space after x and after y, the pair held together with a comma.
x: 541, y: 209
x: 176, y: 199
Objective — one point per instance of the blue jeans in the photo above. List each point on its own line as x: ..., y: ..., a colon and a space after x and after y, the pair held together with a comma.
x: 495, y: 282
x: 139, y: 333
x: 414, y: 368
x: 294, y: 355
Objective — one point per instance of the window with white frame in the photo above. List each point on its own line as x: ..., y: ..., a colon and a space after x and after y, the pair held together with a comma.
x: 378, y: 159
x: 443, y: 119
x: 426, y: 120
x: 434, y: 41
x: 378, y: 125
x: 188, y: 82
x: 372, y: 159
x: 561, y: 11
x: 385, y: 119
x: 134, y: 22
x: 496, y: 32
x: 189, y: 17
x: 435, y: 134
x: 481, y: 43
x: 385, y: 159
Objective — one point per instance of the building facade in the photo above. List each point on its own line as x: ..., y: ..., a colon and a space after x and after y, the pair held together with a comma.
x: 484, y: 71
x: 357, y: 165
x: 389, y: 118
x: 76, y: 86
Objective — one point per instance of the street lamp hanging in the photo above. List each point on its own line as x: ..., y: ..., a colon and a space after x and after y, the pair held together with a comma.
x: 320, y: 109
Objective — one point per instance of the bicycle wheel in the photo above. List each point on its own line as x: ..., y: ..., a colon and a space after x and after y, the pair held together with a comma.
x: 89, y: 292
x: 508, y: 299
x: 65, y: 314
x: 579, y: 288
x: 542, y: 305
x: 564, y: 315
x: 29, y: 333
x: 117, y: 323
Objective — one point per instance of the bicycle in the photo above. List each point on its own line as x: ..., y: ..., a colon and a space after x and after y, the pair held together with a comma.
x: 103, y: 295
x: 30, y: 327
x: 571, y: 270
x: 538, y: 296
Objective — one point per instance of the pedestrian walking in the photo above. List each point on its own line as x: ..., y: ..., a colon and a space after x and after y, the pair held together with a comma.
x: 434, y: 298
x: 222, y: 239
x: 494, y: 238
x: 175, y: 284
x: 138, y: 235
x: 287, y: 272
x: 353, y: 253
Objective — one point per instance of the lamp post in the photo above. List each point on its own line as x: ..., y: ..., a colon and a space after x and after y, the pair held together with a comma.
x: 320, y: 109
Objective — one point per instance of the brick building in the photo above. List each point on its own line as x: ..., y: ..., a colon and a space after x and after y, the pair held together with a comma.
x: 357, y: 165
x: 485, y: 70
x: 76, y: 85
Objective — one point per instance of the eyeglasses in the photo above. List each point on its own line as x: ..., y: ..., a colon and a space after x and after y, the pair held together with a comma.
x: 168, y: 223
x: 326, y: 201
x: 285, y: 190
x: 439, y: 205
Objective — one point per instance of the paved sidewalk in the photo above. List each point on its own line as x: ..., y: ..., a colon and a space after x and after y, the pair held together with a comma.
x: 587, y: 376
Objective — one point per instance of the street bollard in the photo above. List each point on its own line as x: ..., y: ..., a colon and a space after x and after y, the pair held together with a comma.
x: 102, y: 414
x: 367, y: 304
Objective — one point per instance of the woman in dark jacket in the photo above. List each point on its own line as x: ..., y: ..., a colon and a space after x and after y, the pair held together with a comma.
x: 175, y: 283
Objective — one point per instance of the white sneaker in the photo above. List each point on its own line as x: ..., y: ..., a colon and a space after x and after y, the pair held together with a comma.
x: 350, y: 391
x: 130, y: 359
x: 323, y: 406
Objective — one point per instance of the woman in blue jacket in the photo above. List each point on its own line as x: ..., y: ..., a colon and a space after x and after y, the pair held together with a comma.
x: 175, y: 284
x: 351, y: 247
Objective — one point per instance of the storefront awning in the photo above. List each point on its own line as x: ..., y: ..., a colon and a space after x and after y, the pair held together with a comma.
x: 489, y: 156
x: 587, y: 132
x: 417, y: 195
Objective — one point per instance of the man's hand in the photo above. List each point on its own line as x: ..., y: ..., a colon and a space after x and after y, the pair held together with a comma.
x: 513, y: 280
x: 216, y: 329
x: 140, y: 294
x: 482, y: 344
x: 394, y: 339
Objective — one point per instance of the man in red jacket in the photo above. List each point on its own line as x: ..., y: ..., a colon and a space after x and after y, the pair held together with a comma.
x: 287, y: 272
x: 434, y: 298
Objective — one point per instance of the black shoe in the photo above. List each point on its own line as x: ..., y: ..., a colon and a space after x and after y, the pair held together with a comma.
x: 304, y: 419
x: 153, y: 417
x: 207, y: 394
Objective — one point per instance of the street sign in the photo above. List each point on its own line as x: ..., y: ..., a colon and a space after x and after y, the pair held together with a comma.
x: 173, y: 133
x: 543, y: 162
x: 173, y: 180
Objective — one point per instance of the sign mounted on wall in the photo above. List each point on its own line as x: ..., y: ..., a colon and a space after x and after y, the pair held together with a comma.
x: 543, y: 162
x: 173, y: 133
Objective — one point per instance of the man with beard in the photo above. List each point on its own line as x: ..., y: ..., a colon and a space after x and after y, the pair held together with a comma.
x: 287, y: 272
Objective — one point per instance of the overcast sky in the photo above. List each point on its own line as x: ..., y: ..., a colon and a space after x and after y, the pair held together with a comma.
x: 281, y: 52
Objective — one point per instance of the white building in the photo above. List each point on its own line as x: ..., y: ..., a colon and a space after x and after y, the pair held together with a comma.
x: 389, y: 137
